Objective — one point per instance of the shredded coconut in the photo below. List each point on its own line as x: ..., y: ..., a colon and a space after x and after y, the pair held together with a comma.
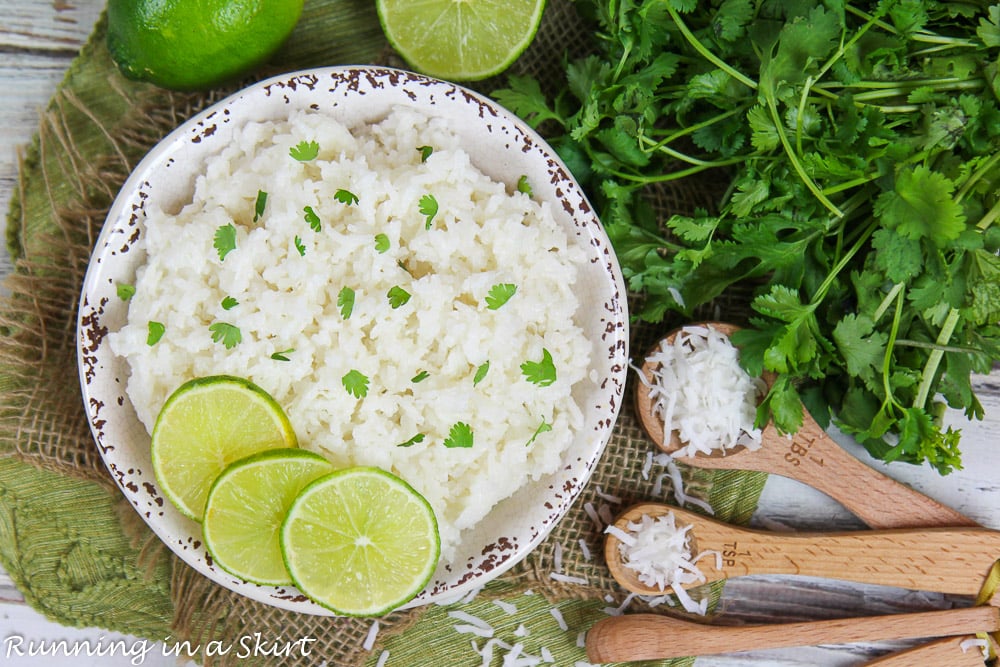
x: 700, y: 391
x: 370, y: 638
x: 659, y: 551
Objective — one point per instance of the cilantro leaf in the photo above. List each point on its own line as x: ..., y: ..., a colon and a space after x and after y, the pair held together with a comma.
x: 524, y: 97
x: 125, y: 291
x: 228, y: 303
x: 542, y: 373
x: 420, y: 377
x: 425, y: 152
x: 417, y: 439
x: 428, y: 207
x: 397, y: 296
x: 989, y: 29
x: 225, y: 240
x: 481, y: 372
x: 345, y: 197
x: 154, y: 332
x: 282, y: 355
x: 314, y: 222
x: 356, y: 383
x: 299, y: 246
x: 460, y: 435
x: 500, y: 294
x: 381, y: 243
x: 862, y: 347
x: 523, y: 185
x: 258, y: 209
x: 544, y: 427
x: 227, y: 334
x: 304, y: 151
x: 921, y: 205
x: 345, y: 301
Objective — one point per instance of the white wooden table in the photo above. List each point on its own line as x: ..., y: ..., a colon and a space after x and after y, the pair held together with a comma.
x: 37, y: 43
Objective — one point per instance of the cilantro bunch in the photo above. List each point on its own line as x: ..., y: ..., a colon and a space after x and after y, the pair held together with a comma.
x: 858, y: 145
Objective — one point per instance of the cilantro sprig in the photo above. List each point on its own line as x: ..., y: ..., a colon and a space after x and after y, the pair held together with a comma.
x: 500, y: 294
x: 304, y: 151
x: 856, y: 196
x: 227, y: 334
x: 356, y: 383
x: 224, y: 241
x: 460, y: 436
x: 428, y: 207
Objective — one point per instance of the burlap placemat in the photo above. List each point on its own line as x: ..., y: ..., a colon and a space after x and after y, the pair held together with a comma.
x: 83, y: 557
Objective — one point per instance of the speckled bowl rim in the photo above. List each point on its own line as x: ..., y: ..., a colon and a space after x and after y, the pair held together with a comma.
x: 501, y: 145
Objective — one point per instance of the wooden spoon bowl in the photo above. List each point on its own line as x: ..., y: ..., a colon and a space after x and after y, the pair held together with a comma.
x: 944, y: 560
x: 812, y: 457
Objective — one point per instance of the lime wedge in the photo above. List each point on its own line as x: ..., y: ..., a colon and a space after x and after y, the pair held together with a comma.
x: 360, y: 541
x: 460, y: 40
x: 205, y: 425
x: 246, y: 506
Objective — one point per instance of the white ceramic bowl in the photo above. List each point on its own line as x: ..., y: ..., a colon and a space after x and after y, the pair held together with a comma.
x: 500, y: 145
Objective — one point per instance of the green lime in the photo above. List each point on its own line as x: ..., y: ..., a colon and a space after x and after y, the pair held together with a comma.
x: 246, y: 506
x: 360, y: 541
x: 196, y: 44
x: 461, y: 40
x: 205, y: 425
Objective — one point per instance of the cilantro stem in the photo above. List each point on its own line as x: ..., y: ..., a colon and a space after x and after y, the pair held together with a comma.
x: 887, y: 301
x: 887, y: 359
x: 934, y: 360
x: 841, y: 263
x: 990, y: 216
x: 669, y: 176
x: 772, y: 106
x: 974, y: 177
x: 703, y: 50
x: 691, y: 129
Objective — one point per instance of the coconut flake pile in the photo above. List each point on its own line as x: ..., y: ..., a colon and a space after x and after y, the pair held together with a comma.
x: 660, y: 553
x: 700, y: 390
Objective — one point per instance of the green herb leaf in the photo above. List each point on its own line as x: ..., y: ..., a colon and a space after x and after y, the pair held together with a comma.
x: 542, y: 373
x: 544, y: 427
x: 282, y: 355
x: 381, y: 243
x: 345, y: 301
x: 314, y: 222
x: 460, y: 435
x: 155, y: 331
x: 258, y: 209
x: 523, y: 185
x: 356, y: 383
x: 228, y: 303
x: 420, y: 377
x: 227, y: 334
x: 304, y: 151
x: 125, y: 291
x: 225, y: 240
x: 922, y: 206
x: 299, y: 246
x: 481, y: 372
x: 499, y: 295
x: 397, y: 296
x: 425, y: 152
x: 346, y: 197
x: 428, y: 207
x: 417, y: 439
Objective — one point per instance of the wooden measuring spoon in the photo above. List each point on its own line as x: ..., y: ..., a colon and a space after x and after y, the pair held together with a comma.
x: 945, y: 560
x: 812, y: 457
x: 654, y: 637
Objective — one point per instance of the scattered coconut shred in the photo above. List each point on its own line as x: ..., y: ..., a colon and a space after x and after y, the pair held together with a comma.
x: 659, y: 551
x: 700, y: 390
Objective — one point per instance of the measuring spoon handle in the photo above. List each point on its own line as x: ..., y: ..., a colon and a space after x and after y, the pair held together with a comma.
x: 814, y: 458
x: 654, y: 637
x: 947, y: 651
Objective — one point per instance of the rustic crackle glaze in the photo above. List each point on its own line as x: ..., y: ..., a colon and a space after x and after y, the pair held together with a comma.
x: 500, y: 145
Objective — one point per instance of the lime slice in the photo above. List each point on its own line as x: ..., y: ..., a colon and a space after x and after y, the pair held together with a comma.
x: 246, y: 507
x: 205, y: 425
x: 460, y: 40
x: 360, y: 541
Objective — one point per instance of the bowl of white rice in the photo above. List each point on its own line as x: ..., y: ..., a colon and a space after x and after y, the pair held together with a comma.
x: 374, y: 221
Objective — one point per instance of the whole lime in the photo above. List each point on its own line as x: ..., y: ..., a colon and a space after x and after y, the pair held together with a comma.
x: 196, y: 44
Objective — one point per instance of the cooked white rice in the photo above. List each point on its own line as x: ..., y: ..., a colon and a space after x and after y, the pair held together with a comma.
x: 484, y: 234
